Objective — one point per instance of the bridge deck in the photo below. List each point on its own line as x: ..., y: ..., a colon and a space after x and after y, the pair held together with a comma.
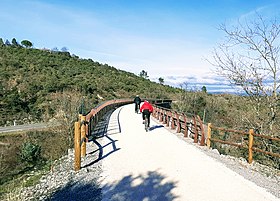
x: 157, y: 165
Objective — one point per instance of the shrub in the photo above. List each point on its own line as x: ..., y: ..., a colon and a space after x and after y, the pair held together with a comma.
x: 30, y: 152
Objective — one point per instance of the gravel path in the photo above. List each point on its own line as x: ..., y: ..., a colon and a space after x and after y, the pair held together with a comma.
x: 159, y: 166
x: 126, y: 163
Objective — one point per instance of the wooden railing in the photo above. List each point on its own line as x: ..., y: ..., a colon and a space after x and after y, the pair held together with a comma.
x: 95, y: 115
x: 85, y: 126
x: 241, y: 140
x: 190, y: 125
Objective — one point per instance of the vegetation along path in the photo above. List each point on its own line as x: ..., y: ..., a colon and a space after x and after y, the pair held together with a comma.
x: 157, y: 165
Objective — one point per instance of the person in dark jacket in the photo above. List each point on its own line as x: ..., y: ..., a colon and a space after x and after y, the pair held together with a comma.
x: 146, y: 110
x: 137, y: 101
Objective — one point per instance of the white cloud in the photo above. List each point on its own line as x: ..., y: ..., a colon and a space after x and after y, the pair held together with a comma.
x: 213, y: 83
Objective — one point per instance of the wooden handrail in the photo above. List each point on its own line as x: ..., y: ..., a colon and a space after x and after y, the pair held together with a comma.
x: 188, y: 124
x: 84, y: 128
x: 250, y: 145
x: 88, y: 122
x: 180, y: 121
x: 174, y: 119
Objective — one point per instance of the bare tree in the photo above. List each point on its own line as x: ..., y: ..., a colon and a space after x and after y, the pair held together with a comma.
x: 67, y: 109
x: 249, y: 58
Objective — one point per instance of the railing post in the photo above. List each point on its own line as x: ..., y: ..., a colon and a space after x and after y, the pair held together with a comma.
x: 83, y: 136
x: 185, y: 127
x: 77, y: 146
x: 154, y: 113
x: 250, y: 156
x: 161, y: 116
x: 202, y: 139
x: 167, y: 118
x: 195, y: 130
x: 178, y: 123
x: 209, y: 135
x: 172, y: 120
x: 158, y: 113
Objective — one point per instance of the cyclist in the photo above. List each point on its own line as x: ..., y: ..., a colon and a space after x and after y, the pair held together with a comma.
x: 146, y: 110
x: 137, y: 101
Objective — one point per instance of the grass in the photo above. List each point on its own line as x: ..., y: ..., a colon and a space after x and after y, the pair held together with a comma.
x: 15, y: 173
x: 11, y: 190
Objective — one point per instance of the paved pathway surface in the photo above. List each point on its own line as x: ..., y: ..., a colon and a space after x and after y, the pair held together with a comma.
x: 23, y: 127
x: 157, y: 165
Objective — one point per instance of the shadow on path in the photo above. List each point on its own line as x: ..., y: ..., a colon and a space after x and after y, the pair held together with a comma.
x: 149, y: 187
x: 76, y: 191
x: 101, y: 131
x: 100, y: 149
x: 155, y: 127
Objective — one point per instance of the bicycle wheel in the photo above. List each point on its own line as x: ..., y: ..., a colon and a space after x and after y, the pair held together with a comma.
x: 146, y: 124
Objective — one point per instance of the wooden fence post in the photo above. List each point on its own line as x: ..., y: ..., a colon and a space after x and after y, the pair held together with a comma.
x: 185, y: 126
x: 209, y: 135
x: 202, y: 139
x: 83, y: 136
x: 178, y: 123
x: 161, y: 116
x: 77, y: 145
x: 250, y: 155
x: 195, y: 140
x: 172, y: 120
x: 167, y: 118
x: 157, y: 113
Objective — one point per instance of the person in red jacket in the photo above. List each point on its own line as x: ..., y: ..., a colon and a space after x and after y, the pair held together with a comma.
x: 146, y: 110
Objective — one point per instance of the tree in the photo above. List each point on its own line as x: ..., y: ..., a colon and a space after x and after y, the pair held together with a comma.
x: 7, y: 43
x: 1, y: 42
x: 14, y: 42
x: 161, y: 80
x: 67, y: 105
x: 144, y: 74
x: 250, y: 59
x: 64, y: 49
x: 26, y: 43
x: 55, y: 49
x: 203, y: 89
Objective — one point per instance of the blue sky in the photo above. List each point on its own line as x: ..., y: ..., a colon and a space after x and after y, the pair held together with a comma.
x: 166, y: 38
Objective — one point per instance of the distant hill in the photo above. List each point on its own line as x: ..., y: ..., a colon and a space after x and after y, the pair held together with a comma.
x: 32, y: 79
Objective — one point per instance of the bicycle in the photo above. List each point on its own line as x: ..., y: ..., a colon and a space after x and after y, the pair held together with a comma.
x: 137, y: 109
x: 146, y: 124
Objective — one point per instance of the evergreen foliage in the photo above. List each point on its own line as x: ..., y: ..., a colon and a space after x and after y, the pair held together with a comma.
x: 30, y: 76
x: 26, y: 43
x: 30, y: 152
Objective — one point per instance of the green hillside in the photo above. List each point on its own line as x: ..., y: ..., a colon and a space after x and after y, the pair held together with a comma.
x: 42, y: 85
x: 33, y: 80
